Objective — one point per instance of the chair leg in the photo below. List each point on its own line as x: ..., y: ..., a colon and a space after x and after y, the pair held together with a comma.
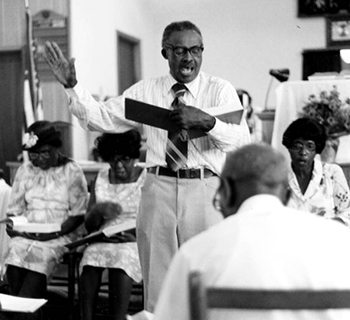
x: 71, y: 283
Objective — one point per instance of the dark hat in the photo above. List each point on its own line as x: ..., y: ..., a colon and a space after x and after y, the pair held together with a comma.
x: 41, y: 133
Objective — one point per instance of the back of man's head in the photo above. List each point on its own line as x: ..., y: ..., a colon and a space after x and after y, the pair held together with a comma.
x: 254, y: 169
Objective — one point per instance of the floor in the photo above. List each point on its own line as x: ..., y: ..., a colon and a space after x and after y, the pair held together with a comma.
x: 58, y: 306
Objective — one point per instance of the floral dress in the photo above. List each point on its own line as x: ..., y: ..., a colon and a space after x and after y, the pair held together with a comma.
x: 327, y: 194
x: 45, y: 196
x: 117, y: 255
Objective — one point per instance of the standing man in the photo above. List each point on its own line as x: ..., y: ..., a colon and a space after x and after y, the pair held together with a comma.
x: 176, y: 197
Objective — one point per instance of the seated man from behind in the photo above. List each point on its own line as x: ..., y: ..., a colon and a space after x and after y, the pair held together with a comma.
x: 261, y: 244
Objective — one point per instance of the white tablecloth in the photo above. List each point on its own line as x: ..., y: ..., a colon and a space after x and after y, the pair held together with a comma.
x: 291, y: 96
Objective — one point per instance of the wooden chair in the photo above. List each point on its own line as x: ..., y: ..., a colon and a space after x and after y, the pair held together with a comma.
x: 63, y: 287
x: 68, y: 280
x: 203, y: 298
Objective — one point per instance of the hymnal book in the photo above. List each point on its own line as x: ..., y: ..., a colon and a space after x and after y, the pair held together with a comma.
x: 159, y: 117
x: 142, y: 315
x: 108, y: 232
x: 18, y: 304
x: 21, y: 224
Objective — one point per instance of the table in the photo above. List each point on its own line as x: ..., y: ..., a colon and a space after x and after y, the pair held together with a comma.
x: 291, y: 96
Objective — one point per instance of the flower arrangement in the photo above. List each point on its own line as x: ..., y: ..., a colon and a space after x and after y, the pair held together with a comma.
x: 330, y: 111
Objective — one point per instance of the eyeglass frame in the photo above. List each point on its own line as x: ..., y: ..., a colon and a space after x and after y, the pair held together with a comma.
x: 125, y: 160
x: 301, y: 146
x: 185, y: 50
x: 36, y: 155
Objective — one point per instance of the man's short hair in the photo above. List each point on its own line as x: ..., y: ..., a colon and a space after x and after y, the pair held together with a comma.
x: 178, y: 26
x: 257, y: 162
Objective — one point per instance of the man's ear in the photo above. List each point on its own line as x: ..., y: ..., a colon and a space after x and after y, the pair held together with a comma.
x: 164, y: 54
x: 228, y: 197
x: 288, y: 194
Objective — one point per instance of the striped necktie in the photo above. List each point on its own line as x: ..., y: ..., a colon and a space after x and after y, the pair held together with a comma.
x: 176, y: 150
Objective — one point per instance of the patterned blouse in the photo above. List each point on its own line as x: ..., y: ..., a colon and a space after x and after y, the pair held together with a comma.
x: 327, y: 193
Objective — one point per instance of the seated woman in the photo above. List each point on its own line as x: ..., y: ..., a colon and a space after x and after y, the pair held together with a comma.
x: 50, y: 188
x: 119, y: 184
x: 317, y: 187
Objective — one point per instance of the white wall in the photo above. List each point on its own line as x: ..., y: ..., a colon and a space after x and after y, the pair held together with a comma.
x: 243, y: 39
x: 94, y: 26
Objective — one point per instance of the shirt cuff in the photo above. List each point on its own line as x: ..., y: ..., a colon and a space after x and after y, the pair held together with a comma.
x: 75, y: 92
x: 218, y: 128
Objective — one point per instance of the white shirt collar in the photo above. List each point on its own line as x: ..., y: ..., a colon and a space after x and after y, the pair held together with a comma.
x: 259, y: 203
x: 193, y: 86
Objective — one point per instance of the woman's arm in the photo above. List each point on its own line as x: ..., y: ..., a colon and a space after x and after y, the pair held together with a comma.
x: 341, y: 195
x: 92, y: 220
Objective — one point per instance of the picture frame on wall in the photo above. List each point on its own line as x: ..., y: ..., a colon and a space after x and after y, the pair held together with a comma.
x: 319, y: 8
x: 338, y: 31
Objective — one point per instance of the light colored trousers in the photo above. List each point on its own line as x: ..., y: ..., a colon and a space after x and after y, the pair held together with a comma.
x: 171, y: 211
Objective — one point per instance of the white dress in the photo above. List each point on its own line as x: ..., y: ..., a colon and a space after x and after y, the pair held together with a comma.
x: 45, y: 196
x: 117, y: 255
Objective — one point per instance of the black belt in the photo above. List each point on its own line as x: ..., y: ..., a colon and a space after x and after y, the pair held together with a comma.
x: 182, y: 173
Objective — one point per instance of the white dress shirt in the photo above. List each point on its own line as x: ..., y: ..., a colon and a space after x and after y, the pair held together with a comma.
x: 263, y: 246
x: 204, y: 92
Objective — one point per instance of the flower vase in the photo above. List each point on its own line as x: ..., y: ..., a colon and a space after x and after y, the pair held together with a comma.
x: 329, y: 152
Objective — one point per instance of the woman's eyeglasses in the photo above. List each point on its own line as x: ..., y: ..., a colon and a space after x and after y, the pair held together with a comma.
x: 42, y: 154
x: 298, y: 146
x: 122, y: 159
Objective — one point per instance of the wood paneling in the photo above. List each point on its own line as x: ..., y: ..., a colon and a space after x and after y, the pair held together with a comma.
x: 12, y: 23
x: 55, y: 102
x: 12, y: 34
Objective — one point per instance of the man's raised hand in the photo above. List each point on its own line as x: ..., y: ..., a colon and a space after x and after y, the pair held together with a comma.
x: 63, y: 69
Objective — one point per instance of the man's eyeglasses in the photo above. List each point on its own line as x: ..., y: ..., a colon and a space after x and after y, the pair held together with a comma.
x: 298, y: 146
x: 182, y: 51
x: 42, y: 154
x: 122, y: 159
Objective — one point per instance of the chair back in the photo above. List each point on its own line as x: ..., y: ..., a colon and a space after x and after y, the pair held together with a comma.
x: 203, y: 298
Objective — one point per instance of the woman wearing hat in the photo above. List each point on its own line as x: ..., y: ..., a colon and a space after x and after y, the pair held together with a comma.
x: 317, y: 187
x: 50, y: 188
x: 115, y: 198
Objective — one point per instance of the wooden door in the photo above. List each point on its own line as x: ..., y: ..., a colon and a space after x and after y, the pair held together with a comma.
x: 11, y: 107
x: 129, y: 62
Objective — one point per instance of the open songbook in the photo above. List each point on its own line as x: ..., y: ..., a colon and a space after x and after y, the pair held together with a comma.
x: 108, y: 232
x: 18, y: 304
x: 159, y: 117
x: 21, y: 224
